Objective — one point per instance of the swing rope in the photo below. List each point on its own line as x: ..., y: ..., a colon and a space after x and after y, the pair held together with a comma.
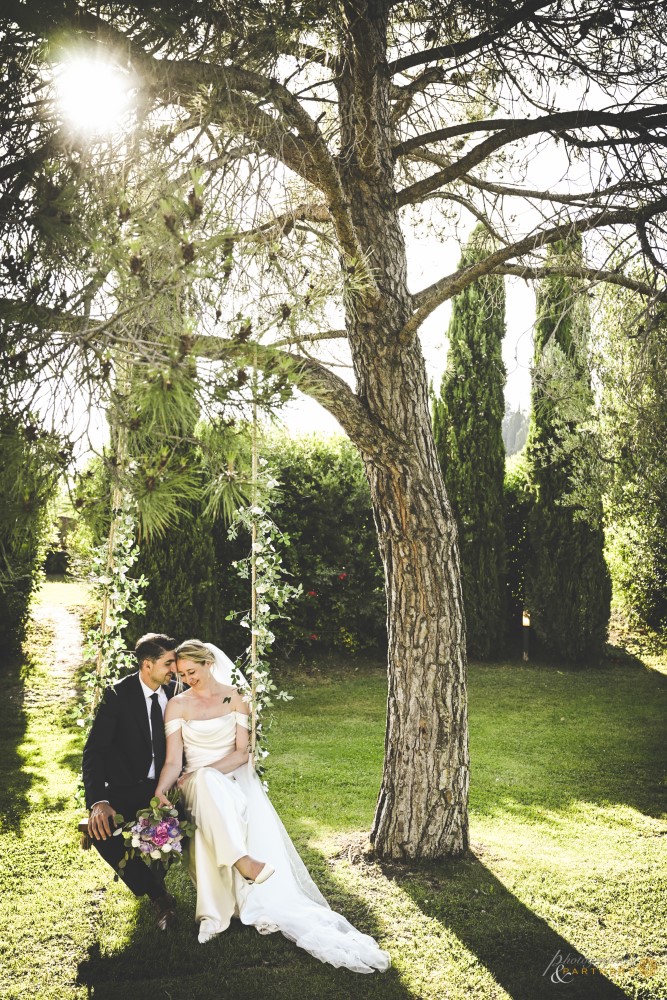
x: 253, y: 567
x: 119, y: 435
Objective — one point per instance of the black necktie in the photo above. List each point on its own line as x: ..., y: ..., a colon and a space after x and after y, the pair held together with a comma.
x: 157, y: 734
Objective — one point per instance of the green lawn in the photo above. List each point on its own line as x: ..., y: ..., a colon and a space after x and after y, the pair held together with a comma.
x: 567, y: 826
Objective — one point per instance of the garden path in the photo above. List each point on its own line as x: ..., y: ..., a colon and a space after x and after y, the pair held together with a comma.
x: 65, y: 648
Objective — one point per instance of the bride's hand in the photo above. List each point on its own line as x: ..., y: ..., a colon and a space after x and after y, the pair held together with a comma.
x: 164, y: 801
x: 182, y: 780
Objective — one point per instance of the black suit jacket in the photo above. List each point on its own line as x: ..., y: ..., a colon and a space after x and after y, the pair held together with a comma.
x: 118, y: 751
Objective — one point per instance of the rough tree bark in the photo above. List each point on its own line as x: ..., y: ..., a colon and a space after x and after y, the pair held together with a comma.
x: 422, y: 806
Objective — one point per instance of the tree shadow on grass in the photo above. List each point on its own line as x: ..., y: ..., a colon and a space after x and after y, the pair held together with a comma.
x: 72, y: 760
x: 548, y: 739
x: 518, y: 948
x: 239, y: 962
x: 17, y: 779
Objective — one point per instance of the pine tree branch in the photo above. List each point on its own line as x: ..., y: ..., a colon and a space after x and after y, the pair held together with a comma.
x: 44, y: 317
x: 585, y: 197
x: 282, y: 224
x: 311, y: 338
x: 404, y: 96
x: 470, y: 207
x: 306, y: 153
x: 310, y: 377
x: 534, y: 194
x: 469, y: 45
x: 640, y: 119
x: 311, y: 53
x: 586, y: 273
x: 440, y: 291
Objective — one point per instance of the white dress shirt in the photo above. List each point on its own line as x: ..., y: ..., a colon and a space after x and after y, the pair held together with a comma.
x: 162, y: 702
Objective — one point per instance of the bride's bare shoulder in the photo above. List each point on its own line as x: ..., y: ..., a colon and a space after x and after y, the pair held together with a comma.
x: 238, y: 702
x: 176, y: 706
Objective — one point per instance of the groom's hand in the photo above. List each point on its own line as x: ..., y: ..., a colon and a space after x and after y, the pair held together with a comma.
x: 100, y: 821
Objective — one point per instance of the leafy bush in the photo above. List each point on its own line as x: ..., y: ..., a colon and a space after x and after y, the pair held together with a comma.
x: 183, y: 595
x: 325, y: 510
x: 57, y: 562
x: 637, y: 555
x: 30, y: 465
x: 631, y: 366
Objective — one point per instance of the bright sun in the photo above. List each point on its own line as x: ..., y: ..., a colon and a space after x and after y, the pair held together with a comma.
x: 93, y: 95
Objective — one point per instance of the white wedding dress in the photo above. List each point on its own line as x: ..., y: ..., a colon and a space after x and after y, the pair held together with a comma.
x: 233, y: 817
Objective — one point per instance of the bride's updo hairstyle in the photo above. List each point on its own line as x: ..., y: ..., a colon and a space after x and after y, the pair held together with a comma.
x: 193, y: 649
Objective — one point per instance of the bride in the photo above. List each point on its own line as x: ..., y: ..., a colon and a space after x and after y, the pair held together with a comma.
x: 242, y: 860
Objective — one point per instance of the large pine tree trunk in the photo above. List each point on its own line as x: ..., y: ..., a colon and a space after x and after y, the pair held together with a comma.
x: 423, y: 802
x: 422, y: 807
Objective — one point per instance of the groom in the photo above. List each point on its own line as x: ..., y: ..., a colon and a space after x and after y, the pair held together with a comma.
x: 122, y: 760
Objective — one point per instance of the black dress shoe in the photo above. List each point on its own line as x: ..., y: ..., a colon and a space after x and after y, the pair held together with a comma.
x: 165, y: 911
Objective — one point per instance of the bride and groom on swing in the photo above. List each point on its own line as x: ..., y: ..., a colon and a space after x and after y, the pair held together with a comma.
x: 148, y: 737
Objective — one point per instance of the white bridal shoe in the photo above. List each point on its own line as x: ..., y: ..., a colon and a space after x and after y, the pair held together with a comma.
x: 265, y: 873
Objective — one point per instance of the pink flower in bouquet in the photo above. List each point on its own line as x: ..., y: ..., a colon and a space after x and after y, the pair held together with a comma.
x: 161, y: 834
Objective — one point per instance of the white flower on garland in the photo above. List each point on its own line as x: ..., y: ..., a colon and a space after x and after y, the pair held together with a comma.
x: 275, y: 594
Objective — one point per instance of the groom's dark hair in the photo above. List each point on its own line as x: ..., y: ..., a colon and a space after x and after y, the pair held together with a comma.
x: 152, y: 645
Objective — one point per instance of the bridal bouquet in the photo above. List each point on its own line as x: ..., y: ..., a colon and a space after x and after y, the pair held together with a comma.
x: 156, y: 836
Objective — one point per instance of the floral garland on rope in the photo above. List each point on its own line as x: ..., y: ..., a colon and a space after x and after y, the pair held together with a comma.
x: 104, y: 652
x: 270, y: 594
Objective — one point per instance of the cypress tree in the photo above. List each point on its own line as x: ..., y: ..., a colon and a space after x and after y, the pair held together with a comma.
x: 467, y: 424
x: 568, y: 587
